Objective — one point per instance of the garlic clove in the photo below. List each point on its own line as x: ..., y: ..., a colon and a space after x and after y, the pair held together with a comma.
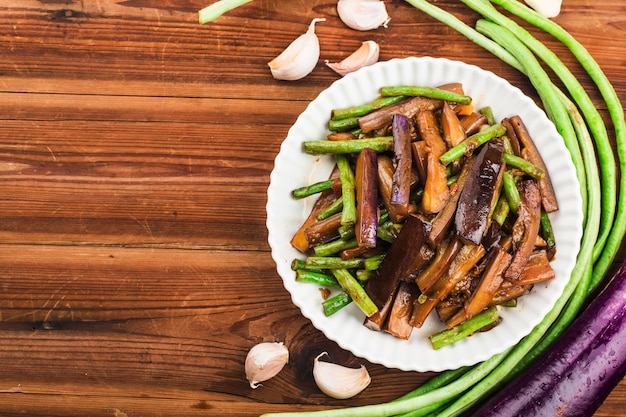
x: 264, y: 361
x: 338, y: 381
x: 546, y: 8
x: 363, y: 14
x: 299, y: 58
x: 367, y: 54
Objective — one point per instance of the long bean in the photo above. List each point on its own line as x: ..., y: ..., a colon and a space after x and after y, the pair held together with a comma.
x: 616, y: 112
x: 424, y: 91
x: 218, y: 8
x: 592, y: 116
x: 538, y: 77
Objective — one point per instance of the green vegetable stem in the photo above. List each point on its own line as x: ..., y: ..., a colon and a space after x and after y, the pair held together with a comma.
x: 421, y: 91
x: 323, y: 146
x: 363, y: 109
x: 215, y: 10
x: 468, y: 327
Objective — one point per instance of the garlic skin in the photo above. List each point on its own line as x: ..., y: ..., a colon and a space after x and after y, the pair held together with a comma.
x: 299, y: 58
x: 338, y: 381
x: 363, y: 14
x: 264, y: 361
x: 546, y: 8
x: 367, y: 54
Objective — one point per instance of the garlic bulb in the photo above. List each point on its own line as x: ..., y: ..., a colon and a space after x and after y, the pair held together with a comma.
x: 546, y: 8
x: 338, y: 381
x: 264, y: 361
x: 363, y: 14
x: 299, y: 58
x: 367, y: 54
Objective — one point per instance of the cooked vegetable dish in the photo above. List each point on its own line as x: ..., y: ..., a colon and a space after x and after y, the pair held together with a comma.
x: 433, y: 207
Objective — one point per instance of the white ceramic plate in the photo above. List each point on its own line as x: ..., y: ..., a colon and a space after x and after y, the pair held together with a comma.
x: 293, y: 168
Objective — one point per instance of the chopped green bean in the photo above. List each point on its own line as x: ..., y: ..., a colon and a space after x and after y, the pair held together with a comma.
x: 314, y: 277
x: 356, y: 291
x: 472, y: 143
x: 488, y: 113
x: 348, y: 190
x: 324, y: 146
x: 529, y: 168
x: 343, y: 125
x: 335, y: 303
x: 333, y: 208
x: 335, y: 246
x: 311, y: 189
x: 465, y: 329
x: 363, y: 109
x: 333, y: 262
x: 421, y: 91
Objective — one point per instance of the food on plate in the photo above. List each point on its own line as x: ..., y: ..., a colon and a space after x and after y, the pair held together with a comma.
x: 432, y: 208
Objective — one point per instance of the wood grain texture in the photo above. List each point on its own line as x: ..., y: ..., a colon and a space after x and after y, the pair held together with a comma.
x: 135, y: 153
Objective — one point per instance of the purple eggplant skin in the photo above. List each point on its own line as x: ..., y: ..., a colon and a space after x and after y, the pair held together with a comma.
x: 573, y: 377
x: 477, y: 196
x: 394, y: 267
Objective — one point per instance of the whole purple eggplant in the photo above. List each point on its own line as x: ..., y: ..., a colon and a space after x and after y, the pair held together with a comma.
x: 576, y: 374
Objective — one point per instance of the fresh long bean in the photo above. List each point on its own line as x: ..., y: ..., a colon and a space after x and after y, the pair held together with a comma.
x: 218, y: 8
x: 519, y: 353
x: 594, y: 120
x: 616, y: 113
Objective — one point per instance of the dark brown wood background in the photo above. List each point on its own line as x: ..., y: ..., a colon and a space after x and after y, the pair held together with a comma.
x: 135, y: 152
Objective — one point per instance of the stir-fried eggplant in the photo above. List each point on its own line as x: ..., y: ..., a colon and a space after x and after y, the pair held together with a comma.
x: 398, y: 323
x: 442, y: 222
x: 401, y: 184
x: 367, y: 198
x: 436, y: 192
x: 528, y: 222
x: 394, y: 266
x: 324, y: 230
x: 548, y: 196
x: 473, y: 122
x: 451, y: 216
x: 478, y: 196
x: 409, y: 108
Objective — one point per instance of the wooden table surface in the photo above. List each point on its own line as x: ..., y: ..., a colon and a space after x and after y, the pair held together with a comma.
x: 135, y: 153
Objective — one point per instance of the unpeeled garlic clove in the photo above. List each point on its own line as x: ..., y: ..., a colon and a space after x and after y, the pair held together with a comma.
x: 367, y: 54
x: 264, y: 361
x: 299, y: 58
x: 363, y: 14
x: 546, y: 8
x: 338, y: 381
